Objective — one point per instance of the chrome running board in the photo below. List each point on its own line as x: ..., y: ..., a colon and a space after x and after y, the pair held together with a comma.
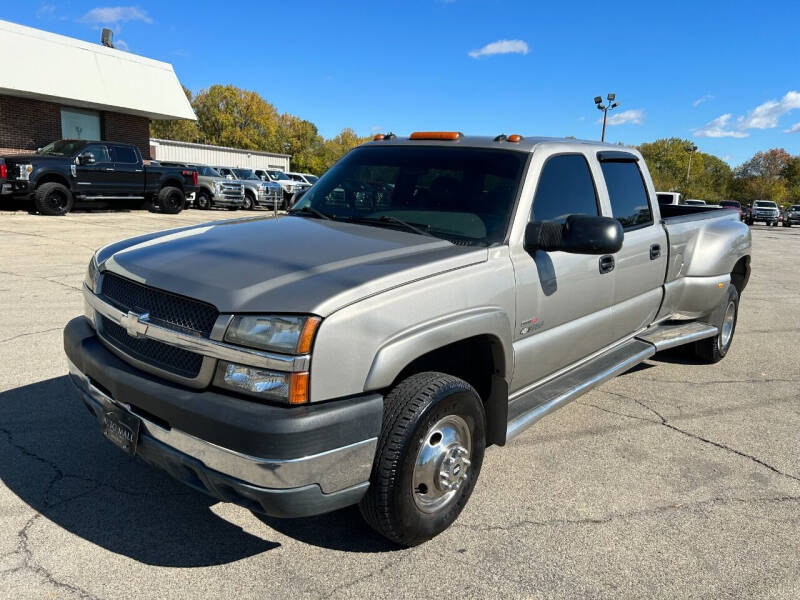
x: 531, y: 406
x: 671, y: 334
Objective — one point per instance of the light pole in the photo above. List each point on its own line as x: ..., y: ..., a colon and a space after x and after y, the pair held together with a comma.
x: 605, y: 108
x: 691, y: 149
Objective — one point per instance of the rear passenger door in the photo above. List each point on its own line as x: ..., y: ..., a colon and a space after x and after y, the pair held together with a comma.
x: 563, y: 300
x: 641, y: 263
x: 128, y: 171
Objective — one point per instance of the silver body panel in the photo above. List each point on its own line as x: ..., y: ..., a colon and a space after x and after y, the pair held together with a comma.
x: 387, y: 296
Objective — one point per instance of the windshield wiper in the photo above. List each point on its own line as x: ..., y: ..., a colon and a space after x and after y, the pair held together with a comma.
x: 310, y: 210
x: 388, y: 219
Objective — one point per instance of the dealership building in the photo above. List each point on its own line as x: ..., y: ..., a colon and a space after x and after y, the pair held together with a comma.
x: 54, y: 87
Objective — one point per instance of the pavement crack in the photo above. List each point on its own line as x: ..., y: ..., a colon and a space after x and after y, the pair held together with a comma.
x: 615, y: 516
x: 665, y: 423
x: 22, y: 335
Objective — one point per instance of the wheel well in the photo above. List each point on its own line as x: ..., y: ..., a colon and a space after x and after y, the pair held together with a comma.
x: 479, y: 361
x: 52, y: 178
x: 173, y: 183
x: 741, y: 273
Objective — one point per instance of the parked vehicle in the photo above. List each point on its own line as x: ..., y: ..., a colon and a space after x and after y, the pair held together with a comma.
x: 256, y: 192
x: 668, y: 197
x: 290, y: 186
x: 69, y: 170
x: 306, y: 178
x: 733, y: 204
x: 213, y: 189
x: 764, y: 210
x: 791, y: 216
x: 368, y: 346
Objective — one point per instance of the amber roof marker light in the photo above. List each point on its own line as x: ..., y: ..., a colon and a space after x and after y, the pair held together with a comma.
x: 514, y: 138
x: 436, y: 135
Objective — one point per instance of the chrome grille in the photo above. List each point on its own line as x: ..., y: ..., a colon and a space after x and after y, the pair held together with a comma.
x: 163, y: 356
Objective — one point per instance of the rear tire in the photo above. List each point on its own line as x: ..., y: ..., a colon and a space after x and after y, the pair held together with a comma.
x: 171, y: 200
x: 53, y: 199
x: 713, y: 350
x: 202, y: 200
x: 434, y: 431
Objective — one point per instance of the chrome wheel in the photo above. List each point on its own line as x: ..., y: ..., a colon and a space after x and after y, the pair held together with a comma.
x: 443, y: 464
x: 727, y: 325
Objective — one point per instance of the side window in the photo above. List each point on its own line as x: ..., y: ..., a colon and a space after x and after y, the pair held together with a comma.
x: 565, y: 188
x: 629, y: 202
x: 123, y: 154
x: 100, y: 152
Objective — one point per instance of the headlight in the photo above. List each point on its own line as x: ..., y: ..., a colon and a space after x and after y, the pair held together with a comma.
x: 282, y: 386
x: 92, y: 275
x: 25, y: 172
x: 279, y: 333
x: 218, y: 185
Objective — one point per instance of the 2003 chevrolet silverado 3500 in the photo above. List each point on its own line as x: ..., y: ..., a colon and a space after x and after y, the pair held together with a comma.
x: 427, y: 298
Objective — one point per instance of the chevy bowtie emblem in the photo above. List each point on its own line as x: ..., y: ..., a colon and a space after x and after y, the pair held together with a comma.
x: 134, y: 323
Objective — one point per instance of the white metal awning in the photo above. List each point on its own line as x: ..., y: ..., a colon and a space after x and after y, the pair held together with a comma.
x: 57, y: 68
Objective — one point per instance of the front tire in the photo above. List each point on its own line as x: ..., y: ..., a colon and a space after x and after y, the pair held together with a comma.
x: 53, y: 199
x: 713, y: 350
x: 248, y: 202
x: 429, y: 457
x: 171, y: 200
x: 202, y: 200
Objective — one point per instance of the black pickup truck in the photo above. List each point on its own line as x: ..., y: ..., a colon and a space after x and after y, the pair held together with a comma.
x: 67, y: 171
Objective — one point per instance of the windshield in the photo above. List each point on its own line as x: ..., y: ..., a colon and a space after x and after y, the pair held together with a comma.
x: 765, y: 204
x: 245, y: 174
x: 464, y: 195
x: 312, y: 178
x: 794, y: 207
x: 278, y: 176
x: 62, y: 148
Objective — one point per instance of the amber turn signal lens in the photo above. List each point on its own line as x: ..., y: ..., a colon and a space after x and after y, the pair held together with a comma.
x: 378, y: 137
x: 298, y: 388
x: 514, y: 138
x: 307, y: 335
x: 435, y: 135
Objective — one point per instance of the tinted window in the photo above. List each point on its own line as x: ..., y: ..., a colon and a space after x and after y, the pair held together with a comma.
x: 124, y: 154
x: 629, y: 202
x: 100, y: 152
x: 565, y: 188
x: 465, y: 195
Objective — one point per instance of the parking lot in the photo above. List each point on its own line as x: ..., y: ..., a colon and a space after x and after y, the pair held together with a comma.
x: 674, y: 480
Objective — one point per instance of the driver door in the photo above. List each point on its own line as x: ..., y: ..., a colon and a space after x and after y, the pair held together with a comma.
x: 97, y: 178
x: 564, y: 300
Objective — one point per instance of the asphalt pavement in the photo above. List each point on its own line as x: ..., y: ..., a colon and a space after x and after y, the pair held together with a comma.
x: 677, y: 479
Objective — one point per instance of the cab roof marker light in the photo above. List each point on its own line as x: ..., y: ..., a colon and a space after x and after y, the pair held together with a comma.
x: 436, y: 135
x: 515, y: 138
x: 378, y: 137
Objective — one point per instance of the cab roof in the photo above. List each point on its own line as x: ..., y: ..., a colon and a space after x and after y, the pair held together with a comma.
x: 526, y: 144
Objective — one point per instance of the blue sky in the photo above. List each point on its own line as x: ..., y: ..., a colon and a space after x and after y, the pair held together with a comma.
x: 725, y: 74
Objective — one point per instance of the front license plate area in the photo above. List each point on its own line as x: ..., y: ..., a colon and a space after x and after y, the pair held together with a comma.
x: 121, y: 427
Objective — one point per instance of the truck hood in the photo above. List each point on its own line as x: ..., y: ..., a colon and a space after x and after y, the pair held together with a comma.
x: 286, y: 265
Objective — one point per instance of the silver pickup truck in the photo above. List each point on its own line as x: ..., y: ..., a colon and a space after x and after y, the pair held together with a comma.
x: 427, y: 298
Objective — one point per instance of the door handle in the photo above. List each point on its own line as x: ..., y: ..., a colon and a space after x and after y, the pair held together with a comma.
x: 108, y: 169
x: 655, y: 251
x: 606, y: 263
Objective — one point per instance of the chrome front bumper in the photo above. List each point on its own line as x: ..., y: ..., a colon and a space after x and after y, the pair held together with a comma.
x: 332, y: 471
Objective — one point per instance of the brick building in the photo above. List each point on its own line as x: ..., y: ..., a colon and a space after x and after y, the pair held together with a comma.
x: 68, y: 88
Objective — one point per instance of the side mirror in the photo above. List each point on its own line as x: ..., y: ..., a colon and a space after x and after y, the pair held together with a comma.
x: 580, y: 234
x: 87, y: 158
x: 228, y: 176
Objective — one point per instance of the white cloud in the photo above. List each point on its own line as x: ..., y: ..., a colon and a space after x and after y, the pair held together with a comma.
x: 793, y: 129
x: 122, y: 45
x: 634, y: 116
x: 113, y: 15
x: 46, y: 11
x: 766, y: 115
x: 501, y: 47
x: 702, y: 99
x: 718, y: 128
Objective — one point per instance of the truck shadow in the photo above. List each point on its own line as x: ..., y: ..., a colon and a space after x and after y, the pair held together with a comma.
x: 54, y: 458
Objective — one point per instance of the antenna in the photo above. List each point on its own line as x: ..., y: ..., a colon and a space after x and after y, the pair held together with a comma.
x: 107, y: 37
